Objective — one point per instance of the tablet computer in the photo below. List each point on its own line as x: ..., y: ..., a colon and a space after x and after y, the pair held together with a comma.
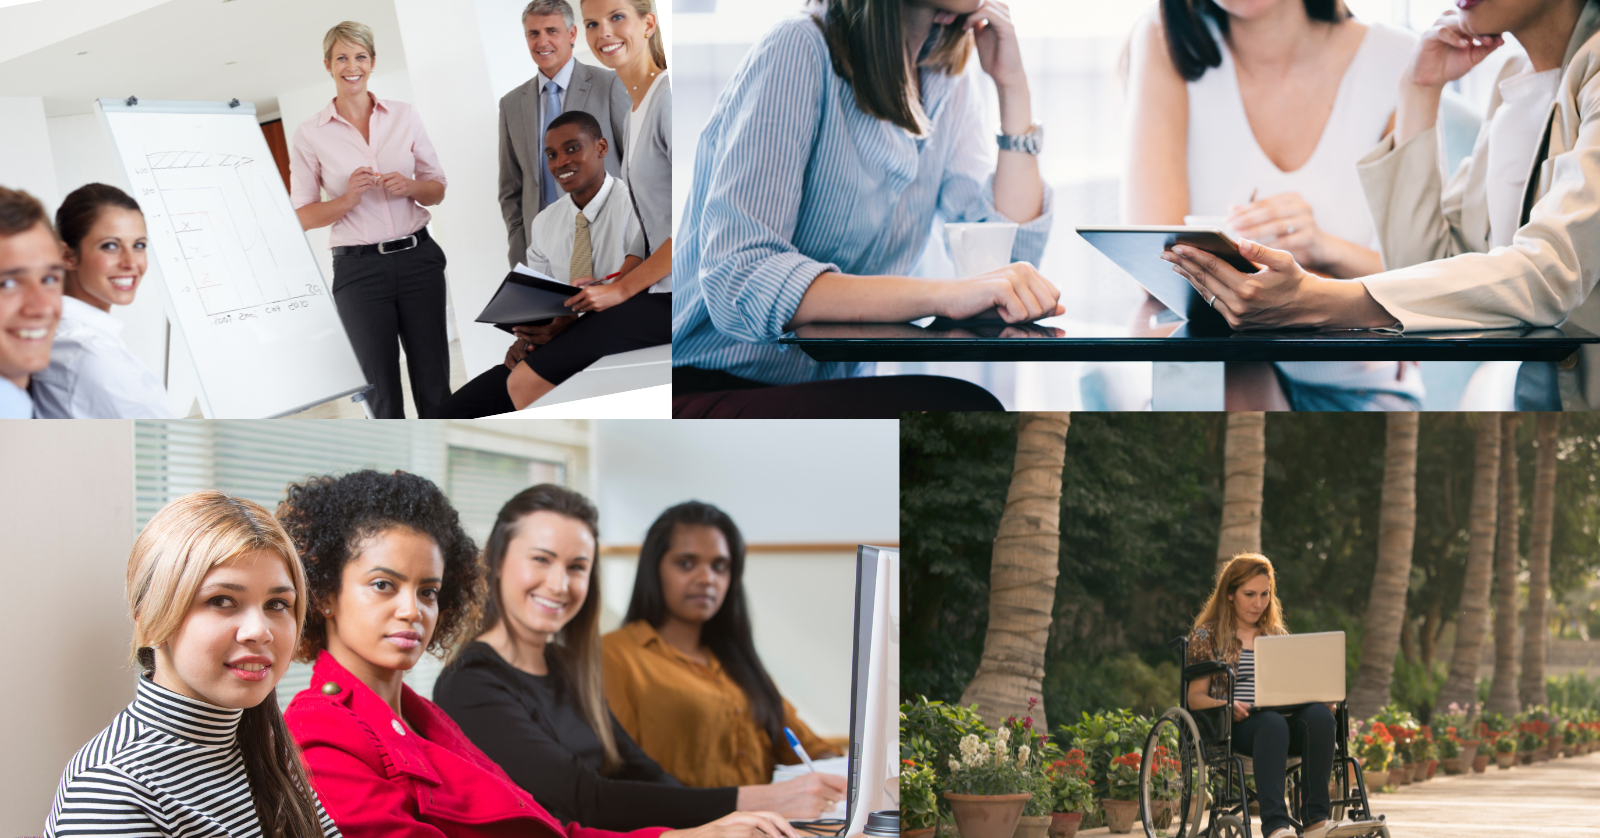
x: 523, y: 300
x: 1138, y: 250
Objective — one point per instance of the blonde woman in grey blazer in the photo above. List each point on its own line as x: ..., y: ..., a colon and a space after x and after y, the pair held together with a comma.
x: 1437, y: 238
x: 551, y: 30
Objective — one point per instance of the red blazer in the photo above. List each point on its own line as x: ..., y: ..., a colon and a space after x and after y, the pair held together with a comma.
x: 376, y: 778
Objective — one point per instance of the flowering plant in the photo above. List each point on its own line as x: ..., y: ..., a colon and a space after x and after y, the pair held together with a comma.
x: 1449, y: 744
x: 1458, y: 716
x: 1071, y: 790
x: 990, y: 767
x: 1166, y: 775
x: 1404, y: 728
x: 919, y: 800
x: 1504, y: 743
x: 1125, y: 777
x: 1422, y: 747
x: 1376, y: 748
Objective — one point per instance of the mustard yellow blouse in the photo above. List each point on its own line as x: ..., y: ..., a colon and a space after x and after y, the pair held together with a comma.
x: 691, y: 718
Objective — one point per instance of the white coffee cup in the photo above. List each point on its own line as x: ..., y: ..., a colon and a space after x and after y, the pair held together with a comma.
x: 981, y: 247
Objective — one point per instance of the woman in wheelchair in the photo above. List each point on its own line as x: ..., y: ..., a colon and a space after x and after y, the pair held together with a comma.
x: 1245, y: 606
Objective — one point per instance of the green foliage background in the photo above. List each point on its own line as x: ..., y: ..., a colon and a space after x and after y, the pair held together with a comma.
x: 1140, y: 508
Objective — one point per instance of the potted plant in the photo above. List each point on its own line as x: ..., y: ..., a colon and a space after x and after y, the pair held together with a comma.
x: 1463, y: 719
x: 919, y: 799
x: 930, y: 736
x: 1122, y: 807
x: 1450, y: 751
x: 988, y: 786
x: 1426, y: 753
x: 1071, y: 794
x: 1375, y: 750
x: 1035, y: 821
x: 1505, y: 749
x: 1166, y: 781
x: 1480, y: 757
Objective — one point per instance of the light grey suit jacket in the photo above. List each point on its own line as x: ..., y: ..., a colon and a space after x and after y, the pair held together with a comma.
x: 593, y: 89
x: 649, y: 169
x: 1435, y: 236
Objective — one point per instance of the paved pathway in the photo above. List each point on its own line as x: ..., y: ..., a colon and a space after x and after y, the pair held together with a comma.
x: 1556, y: 798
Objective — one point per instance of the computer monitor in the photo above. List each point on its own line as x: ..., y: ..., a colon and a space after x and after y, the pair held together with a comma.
x: 874, y: 687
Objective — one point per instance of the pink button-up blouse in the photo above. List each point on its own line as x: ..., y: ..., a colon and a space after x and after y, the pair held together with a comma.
x: 327, y: 148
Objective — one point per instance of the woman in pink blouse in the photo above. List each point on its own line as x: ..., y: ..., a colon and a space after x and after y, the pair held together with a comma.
x: 375, y: 163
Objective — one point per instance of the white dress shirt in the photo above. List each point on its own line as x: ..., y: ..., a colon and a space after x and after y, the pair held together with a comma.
x: 14, y: 401
x: 92, y: 375
x: 614, y: 233
x: 1514, y: 134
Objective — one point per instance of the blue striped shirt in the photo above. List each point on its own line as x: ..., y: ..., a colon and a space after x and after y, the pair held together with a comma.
x: 792, y: 180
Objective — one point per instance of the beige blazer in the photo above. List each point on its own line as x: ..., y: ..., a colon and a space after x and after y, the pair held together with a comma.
x: 593, y: 89
x: 1435, y: 236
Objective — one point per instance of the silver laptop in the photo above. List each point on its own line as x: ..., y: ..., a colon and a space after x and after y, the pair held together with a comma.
x: 1294, y: 669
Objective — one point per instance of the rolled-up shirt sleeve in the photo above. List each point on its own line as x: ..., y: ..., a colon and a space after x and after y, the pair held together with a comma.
x: 428, y: 167
x: 966, y: 193
x: 305, y: 171
x: 753, y: 275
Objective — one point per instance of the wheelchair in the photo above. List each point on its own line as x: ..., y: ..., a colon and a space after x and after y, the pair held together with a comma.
x: 1213, y: 799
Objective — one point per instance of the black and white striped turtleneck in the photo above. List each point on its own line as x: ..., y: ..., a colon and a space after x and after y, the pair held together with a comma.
x: 167, y: 766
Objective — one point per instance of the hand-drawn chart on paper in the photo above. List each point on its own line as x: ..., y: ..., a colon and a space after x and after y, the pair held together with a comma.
x: 226, y: 222
x: 242, y: 286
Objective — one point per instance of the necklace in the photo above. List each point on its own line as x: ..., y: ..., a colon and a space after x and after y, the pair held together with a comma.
x: 651, y: 76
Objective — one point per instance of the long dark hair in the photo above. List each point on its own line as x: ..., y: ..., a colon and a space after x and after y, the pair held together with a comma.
x: 1189, y: 41
x: 81, y: 210
x: 727, y: 634
x: 574, y: 653
x: 867, y: 44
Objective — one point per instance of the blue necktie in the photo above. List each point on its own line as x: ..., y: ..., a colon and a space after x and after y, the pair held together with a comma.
x: 552, y: 109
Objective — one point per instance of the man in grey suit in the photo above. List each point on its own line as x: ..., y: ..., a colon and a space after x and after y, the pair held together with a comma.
x: 562, y: 84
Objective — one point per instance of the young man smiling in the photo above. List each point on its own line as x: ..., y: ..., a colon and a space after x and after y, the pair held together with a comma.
x: 31, y: 275
x: 588, y: 237
x: 562, y: 85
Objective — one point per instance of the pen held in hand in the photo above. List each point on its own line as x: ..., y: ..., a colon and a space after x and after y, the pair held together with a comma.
x: 794, y: 742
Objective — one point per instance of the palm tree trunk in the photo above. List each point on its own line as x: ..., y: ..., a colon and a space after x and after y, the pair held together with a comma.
x: 1462, y: 684
x: 1386, y: 604
x: 1022, y: 576
x: 1503, y: 691
x: 1244, y: 463
x: 1530, y: 688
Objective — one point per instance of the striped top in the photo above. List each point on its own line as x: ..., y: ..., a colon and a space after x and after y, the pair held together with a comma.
x: 1245, y: 690
x: 167, y: 766
x: 792, y: 179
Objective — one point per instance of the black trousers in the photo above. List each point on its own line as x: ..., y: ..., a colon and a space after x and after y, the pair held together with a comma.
x: 1269, y: 738
x: 644, y: 320
x: 713, y: 394
x: 391, y: 300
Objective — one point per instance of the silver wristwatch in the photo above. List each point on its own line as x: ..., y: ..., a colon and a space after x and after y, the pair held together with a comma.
x: 1026, y: 143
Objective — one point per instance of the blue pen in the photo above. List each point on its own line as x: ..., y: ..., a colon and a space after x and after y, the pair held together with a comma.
x: 794, y: 742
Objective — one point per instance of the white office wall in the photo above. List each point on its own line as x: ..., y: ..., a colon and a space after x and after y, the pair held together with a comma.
x: 66, y: 525
x: 25, y: 159
x: 782, y: 481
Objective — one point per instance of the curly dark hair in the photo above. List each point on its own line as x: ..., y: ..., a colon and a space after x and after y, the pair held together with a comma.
x: 329, y: 517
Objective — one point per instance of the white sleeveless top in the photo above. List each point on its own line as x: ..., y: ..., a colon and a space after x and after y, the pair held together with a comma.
x: 1226, y: 164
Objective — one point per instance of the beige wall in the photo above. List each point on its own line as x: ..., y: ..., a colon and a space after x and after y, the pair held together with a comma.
x: 66, y: 525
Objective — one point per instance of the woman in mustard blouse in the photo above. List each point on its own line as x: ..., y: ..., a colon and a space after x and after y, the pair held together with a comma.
x: 682, y: 675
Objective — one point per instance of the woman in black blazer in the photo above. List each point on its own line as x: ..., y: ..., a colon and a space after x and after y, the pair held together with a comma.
x: 527, y: 691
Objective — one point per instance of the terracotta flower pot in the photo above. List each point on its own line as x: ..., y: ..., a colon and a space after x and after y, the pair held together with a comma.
x: 1164, y: 810
x: 924, y: 832
x: 1411, y: 773
x: 1480, y: 763
x: 1526, y: 758
x: 1433, y: 766
x: 1505, y: 760
x: 1553, y: 746
x: 1033, y: 827
x: 1397, y: 776
x: 1451, y: 765
x: 987, y: 815
x: 1120, y: 814
x: 1065, y: 824
x: 1375, y: 780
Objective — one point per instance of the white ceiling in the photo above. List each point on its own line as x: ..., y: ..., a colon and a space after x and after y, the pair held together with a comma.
x: 179, y: 49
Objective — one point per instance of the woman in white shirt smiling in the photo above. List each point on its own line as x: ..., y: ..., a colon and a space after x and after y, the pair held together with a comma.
x: 92, y: 375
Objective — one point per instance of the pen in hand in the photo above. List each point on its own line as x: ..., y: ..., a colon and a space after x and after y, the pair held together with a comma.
x: 794, y: 742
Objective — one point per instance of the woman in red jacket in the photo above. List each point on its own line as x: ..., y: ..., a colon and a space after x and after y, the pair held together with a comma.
x: 392, y: 575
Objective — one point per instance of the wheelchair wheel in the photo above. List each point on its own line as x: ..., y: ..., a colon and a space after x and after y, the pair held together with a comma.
x: 1172, y: 769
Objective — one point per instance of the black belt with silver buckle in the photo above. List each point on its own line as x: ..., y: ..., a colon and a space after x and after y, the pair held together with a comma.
x: 385, y: 248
